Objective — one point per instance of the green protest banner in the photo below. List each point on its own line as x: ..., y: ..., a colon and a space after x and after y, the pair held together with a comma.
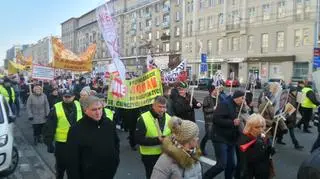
x: 135, y: 93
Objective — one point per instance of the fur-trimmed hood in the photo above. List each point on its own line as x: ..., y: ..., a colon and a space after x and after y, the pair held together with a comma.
x: 177, y: 154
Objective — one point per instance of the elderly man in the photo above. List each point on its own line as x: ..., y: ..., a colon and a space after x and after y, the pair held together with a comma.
x: 93, y: 144
x: 152, y: 127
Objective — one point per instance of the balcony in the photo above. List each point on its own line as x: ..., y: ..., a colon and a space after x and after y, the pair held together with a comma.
x: 148, y: 16
x: 165, y: 37
x: 233, y: 27
x: 166, y: 9
x: 166, y: 24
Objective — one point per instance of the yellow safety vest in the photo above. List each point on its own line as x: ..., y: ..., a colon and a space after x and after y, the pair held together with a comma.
x: 63, y: 124
x: 5, y: 93
x: 306, y: 102
x: 109, y: 113
x: 151, y: 131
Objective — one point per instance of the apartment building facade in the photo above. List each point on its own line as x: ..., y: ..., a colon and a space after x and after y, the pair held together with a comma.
x: 273, y: 39
x: 40, y: 51
x: 147, y: 26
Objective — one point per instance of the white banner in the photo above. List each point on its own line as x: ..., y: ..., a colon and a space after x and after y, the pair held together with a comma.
x: 177, y: 74
x: 109, y: 32
x: 42, y: 72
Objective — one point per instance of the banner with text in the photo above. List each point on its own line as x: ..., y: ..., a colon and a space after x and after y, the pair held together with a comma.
x: 135, y: 93
x: 42, y: 72
x: 177, y: 74
x: 65, y: 59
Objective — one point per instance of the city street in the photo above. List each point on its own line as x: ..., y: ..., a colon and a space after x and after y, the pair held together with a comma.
x: 36, y: 163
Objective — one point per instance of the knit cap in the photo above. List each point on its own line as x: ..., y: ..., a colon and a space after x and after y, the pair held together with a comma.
x: 183, y: 130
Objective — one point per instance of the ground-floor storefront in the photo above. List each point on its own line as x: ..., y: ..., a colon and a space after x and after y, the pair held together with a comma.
x: 284, y: 67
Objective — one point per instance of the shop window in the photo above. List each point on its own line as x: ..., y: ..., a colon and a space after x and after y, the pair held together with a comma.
x: 300, y: 70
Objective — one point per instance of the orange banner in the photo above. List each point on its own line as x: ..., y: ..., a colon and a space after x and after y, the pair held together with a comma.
x: 65, y: 59
x: 22, y: 60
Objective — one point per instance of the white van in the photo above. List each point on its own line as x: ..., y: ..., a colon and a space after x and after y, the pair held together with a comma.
x: 9, y: 156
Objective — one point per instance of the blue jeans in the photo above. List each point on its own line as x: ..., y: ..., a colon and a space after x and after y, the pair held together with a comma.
x: 225, y: 155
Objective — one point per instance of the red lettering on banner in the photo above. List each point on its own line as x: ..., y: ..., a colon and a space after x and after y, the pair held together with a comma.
x: 118, y: 88
x: 154, y: 82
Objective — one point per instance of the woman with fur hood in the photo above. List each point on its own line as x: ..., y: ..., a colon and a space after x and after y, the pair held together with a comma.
x: 180, y: 152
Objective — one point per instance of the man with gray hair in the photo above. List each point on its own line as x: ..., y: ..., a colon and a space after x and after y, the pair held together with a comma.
x: 152, y: 127
x: 93, y: 144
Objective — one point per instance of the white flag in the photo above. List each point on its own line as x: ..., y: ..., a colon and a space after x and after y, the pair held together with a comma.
x: 109, y: 32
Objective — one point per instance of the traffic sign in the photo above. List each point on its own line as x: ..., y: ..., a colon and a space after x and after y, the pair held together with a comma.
x: 203, y: 67
x: 203, y: 58
x: 316, y: 52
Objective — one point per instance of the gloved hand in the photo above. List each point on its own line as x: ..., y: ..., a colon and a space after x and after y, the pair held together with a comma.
x: 50, y: 148
x: 30, y: 118
x: 271, y: 150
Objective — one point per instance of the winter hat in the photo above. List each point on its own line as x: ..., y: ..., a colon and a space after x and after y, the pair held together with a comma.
x: 86, y: 90
x: 237, y: 94
x: 182, y: 85
x: 183, y: 130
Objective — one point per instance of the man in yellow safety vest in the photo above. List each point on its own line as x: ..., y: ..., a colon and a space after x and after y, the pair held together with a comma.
x: 8, y: 93
x: 309, y: 102
x: 63, y: 115
x: 152, y: 127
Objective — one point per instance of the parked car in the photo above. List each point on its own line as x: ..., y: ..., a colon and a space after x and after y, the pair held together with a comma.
x: 9, y: 156
x: 204, y: 83
x: 229, y: 81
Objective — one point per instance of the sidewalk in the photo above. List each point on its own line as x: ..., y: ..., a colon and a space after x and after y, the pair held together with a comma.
x: 31, y: 165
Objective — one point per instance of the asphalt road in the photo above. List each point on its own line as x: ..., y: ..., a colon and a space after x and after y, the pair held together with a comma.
x: 287, y: 159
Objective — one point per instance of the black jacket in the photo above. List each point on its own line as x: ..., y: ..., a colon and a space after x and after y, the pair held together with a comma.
x: 209, y: 103
x: 223, y: 128
x: 140, y: 134
x: 312, y: 97
x: 53, y: 100
x: 182, y: 109
x: 93, y: 148
x: 254, y: 159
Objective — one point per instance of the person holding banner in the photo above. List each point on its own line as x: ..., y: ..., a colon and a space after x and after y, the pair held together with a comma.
x: 185, y: 104
x: 209, y: 104
x: 180, y: 157
x: 152, y: 128
x: 225, y: 135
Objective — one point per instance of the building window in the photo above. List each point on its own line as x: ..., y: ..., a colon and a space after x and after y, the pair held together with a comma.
x: 306, y: 36
x: 210, y: 3
x: 157, y: 35
x: 156, y: 7
x: 187, y: 29
x: 301, y: 70
x: 250, y: 42
x: 220, y: 19
x: 220, y: 1
x: 210, y: 22
x: 178, y: 2
x: 235, y: 43
x: 148, y: 10
x: 297, y: 38
x: 190, y: 47
x: 219, y: 46
x: 201, y: 24
x: 177, y: 31
x: 190, y: 32
x: 178, y: 16
x: 299, y: 10
x: 281, y: 9
x: 166, y: 47
x: 140, y: 26
x: 201, y: 4
x: 178, y: 46
x: 166, y: 18
x: 235, y: 17
x: 264, y: 43
x: 156, y: 21
x: 266, y: 12
x: 280, y: 41
x: 150, y: 36
x: 158, y: 48
x: 307, y: 8
x: 209, y: 48
x: 148, y: 23
x: 167, y: 32
x: 252, y: 14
